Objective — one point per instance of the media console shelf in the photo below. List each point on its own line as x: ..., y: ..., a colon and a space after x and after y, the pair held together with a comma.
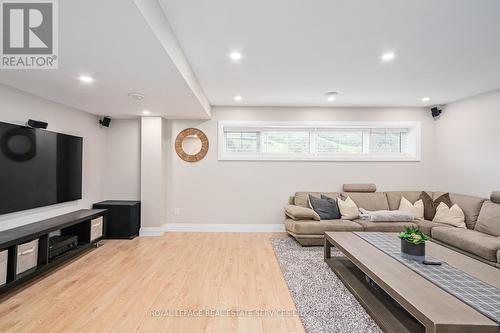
x: 28, y: 246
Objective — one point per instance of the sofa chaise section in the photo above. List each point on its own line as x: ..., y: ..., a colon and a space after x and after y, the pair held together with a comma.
x: 311, y: 233
x: 482, y: 246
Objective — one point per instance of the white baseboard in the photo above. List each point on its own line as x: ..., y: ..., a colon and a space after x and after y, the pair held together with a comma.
x: 151, y: 231
x: 208, y: 227
x: 202, y: 227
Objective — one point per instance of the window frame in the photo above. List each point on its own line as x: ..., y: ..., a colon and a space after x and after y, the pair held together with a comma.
x: 413, y: 153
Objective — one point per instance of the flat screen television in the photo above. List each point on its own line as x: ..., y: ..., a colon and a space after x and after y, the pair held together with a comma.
x: 38, y: 168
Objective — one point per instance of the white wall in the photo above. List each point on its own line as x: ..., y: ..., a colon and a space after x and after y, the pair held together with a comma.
x: 122, y: 163
x: 212, y: 191
x: 153, y: 177
x: 17, y: 107
x: 468, y: 145
x: 459, y: 154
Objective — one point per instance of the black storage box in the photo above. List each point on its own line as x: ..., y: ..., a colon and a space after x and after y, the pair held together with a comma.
x: 123, y: 218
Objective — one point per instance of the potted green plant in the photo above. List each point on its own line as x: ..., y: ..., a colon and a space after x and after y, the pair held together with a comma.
x: 413, y: 242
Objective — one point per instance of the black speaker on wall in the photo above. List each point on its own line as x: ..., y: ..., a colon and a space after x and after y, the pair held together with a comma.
x: 105, y: 121
x: 436, y: 112
x: 37, y: 124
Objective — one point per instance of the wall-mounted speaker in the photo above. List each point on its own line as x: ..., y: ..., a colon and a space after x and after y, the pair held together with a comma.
x: 37, y: 124
x: 105, y: 121
x: 436, y: 112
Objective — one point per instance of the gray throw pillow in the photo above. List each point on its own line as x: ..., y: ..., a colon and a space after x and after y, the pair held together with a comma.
x: 327, y: 208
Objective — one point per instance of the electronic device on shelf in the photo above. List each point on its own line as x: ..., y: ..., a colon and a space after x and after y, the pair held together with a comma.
x: 59, y: 245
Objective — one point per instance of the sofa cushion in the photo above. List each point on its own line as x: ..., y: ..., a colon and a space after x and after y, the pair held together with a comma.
x: 348, y: 209
x: 482, y: 245
x: 394, y: 198
x: 319, y: 228
x: 454, y: 216
x: 430, y: 204
x: 416, y: 208
x: 495, y: 197
x: 489, y: 219
x: 426, y: 226
x: 369, y: 201
x: 301, y: 213
x: 326, y: 207
x: 302, y: 198
x: 385, y: 226
x: 470, y: 205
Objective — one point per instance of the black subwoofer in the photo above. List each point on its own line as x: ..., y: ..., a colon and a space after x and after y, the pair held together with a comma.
x: 123, y: 218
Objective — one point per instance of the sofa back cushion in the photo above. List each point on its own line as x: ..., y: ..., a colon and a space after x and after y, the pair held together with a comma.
x: 369, y: 201
x: 470, y: 205
x: 302, y: 198
x: 394, y: 197
x: 488, y: 221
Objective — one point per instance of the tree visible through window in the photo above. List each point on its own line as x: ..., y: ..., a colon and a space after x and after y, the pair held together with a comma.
x: 284, y: 142
x: 387, y: 141
x: 242, y: 142
x: 347, y: 142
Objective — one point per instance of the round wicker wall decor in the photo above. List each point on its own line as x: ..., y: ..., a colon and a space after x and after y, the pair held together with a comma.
x: 191, y: 132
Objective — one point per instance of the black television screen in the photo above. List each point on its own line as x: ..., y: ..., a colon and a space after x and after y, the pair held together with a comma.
x: 38, y: 168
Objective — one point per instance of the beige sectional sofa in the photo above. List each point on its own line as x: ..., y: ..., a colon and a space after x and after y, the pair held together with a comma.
x: 471, y: 241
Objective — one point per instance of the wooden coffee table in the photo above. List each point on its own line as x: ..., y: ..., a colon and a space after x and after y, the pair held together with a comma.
x: 411, y: 303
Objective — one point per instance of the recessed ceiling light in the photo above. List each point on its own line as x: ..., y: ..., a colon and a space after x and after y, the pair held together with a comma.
x: 388, y: 56
x: 146, y: 112
x: 426, y: 99
x: 235, y: 56
x: 86, y: 79
x: 331, y: 95
x: 238, y: 98
x: 136, y: 95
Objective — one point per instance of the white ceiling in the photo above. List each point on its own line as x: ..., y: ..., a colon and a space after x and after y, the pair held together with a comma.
x: 112, y: 42
x: 296, y: 50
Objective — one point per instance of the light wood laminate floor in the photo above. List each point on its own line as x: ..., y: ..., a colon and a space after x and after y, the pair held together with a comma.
x: 115, y: 287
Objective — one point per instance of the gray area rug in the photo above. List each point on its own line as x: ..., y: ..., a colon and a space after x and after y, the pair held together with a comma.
x: 323, y: 302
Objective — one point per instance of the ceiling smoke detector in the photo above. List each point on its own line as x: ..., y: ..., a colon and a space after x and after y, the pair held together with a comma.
x: 137, y: 96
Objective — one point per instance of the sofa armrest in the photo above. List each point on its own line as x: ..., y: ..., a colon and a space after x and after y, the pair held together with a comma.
x: 301, y: 213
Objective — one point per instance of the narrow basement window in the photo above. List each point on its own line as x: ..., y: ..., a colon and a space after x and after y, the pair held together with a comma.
x: 319, y: 141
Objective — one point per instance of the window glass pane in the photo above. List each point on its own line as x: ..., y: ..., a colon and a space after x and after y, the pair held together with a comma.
x: 286, y: 142
x: 241, y: 142
x: 340, y: 142
x: 382, y: 142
